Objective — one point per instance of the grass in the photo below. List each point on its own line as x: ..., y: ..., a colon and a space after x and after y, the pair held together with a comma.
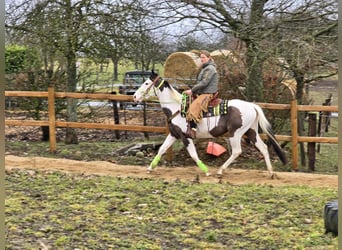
x: 64, y: 211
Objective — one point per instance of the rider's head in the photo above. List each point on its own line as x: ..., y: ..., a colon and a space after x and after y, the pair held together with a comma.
x: 205, y: 56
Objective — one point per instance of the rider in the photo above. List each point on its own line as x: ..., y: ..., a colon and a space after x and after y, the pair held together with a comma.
x: 205, y: 88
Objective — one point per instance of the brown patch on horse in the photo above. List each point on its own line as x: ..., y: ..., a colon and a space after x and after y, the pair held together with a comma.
x: 175, y: 130
x: 251, y: 135
x: 228, y: 123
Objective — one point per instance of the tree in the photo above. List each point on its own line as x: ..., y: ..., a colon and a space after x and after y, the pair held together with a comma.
x: 64, y: 30
x: 189, y: 43
x: 122, y: 31
x: 64, y: 21
x: 110, y: 34
x: 310, y: 48
x: 19, y: 58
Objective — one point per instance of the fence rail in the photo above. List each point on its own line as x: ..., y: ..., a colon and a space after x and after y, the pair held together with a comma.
x: 52, y: 123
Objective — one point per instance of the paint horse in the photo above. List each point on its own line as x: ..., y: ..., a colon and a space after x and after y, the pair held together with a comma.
x: 242, y: 119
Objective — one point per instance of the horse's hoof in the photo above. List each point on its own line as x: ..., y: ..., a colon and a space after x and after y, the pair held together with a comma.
x: 219, y: 178
x: 207, y: 174
x: 274, y: 176
x: 219, y: 173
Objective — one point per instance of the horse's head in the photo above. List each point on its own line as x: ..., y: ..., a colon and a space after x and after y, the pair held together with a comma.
x: 143, y: 92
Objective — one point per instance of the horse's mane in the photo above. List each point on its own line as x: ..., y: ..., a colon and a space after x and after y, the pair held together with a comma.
x: 175, y: 94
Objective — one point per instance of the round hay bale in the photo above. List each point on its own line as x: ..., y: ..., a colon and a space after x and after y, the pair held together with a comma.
x: 181, y: 68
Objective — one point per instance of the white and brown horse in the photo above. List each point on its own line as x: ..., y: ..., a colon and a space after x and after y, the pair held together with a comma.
x: 242, y: 118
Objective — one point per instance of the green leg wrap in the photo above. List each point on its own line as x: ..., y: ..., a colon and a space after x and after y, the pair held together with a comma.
x: 202, y: 166
x: 155, y: 161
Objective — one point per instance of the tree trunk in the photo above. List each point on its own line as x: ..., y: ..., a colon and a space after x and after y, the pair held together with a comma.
x: 254, y: 56
x: 254, y: 88
x: 70, y: 135
x: 115, y: 69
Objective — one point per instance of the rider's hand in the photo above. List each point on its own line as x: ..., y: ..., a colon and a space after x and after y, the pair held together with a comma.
x: 188, y: 92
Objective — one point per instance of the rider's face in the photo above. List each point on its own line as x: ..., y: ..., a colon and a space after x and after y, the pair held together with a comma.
x: 204, y: 58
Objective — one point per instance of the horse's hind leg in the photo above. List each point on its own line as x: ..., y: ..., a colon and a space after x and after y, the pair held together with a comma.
x: 235, y: 143
x: 166, y: 144
x: 264, y: 150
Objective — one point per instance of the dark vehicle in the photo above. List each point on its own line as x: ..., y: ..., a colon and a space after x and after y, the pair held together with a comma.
x: 132, y: 81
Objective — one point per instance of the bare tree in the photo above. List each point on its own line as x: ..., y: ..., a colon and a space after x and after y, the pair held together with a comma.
x: 60, y: 27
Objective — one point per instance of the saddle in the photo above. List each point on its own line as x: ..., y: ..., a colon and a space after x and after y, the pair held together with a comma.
x: 216, y: 106
x: 215, y: 100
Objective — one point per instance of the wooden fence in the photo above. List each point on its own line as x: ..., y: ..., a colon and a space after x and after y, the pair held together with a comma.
x: 52, y: 123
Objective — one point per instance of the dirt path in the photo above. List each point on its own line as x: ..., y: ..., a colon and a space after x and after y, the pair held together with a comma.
x: 232, y: 176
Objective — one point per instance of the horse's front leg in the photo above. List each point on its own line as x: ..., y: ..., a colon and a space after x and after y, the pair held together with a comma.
x: 190, y: 147
x: 166, y: 144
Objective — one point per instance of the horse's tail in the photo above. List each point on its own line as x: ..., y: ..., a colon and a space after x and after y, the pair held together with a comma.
x: 266, y: 128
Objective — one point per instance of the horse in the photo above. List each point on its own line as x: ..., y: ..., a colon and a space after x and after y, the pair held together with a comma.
x: 242, y: 119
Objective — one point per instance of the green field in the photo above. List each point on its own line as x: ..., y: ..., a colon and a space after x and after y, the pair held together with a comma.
x: 53, y: 210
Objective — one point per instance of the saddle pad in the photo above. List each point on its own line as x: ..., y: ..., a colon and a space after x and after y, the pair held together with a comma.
x: 220, y: 109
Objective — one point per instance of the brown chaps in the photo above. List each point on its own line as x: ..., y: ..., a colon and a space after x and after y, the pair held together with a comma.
x: 198, y: 106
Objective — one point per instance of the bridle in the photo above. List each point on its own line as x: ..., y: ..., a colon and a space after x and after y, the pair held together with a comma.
x: 154, y: 83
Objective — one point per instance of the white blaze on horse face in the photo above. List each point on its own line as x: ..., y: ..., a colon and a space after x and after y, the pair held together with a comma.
x: 143, y: 92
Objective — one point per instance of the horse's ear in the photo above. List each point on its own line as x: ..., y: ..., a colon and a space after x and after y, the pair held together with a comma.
x: 153, y: 74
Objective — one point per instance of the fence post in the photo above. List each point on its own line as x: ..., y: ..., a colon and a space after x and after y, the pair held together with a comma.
x: 145, y: 119
x: 52, y: 119
x: 311, y: 145
x: 324, y: 121
x: 115, y: 104
x: 294, y: 138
